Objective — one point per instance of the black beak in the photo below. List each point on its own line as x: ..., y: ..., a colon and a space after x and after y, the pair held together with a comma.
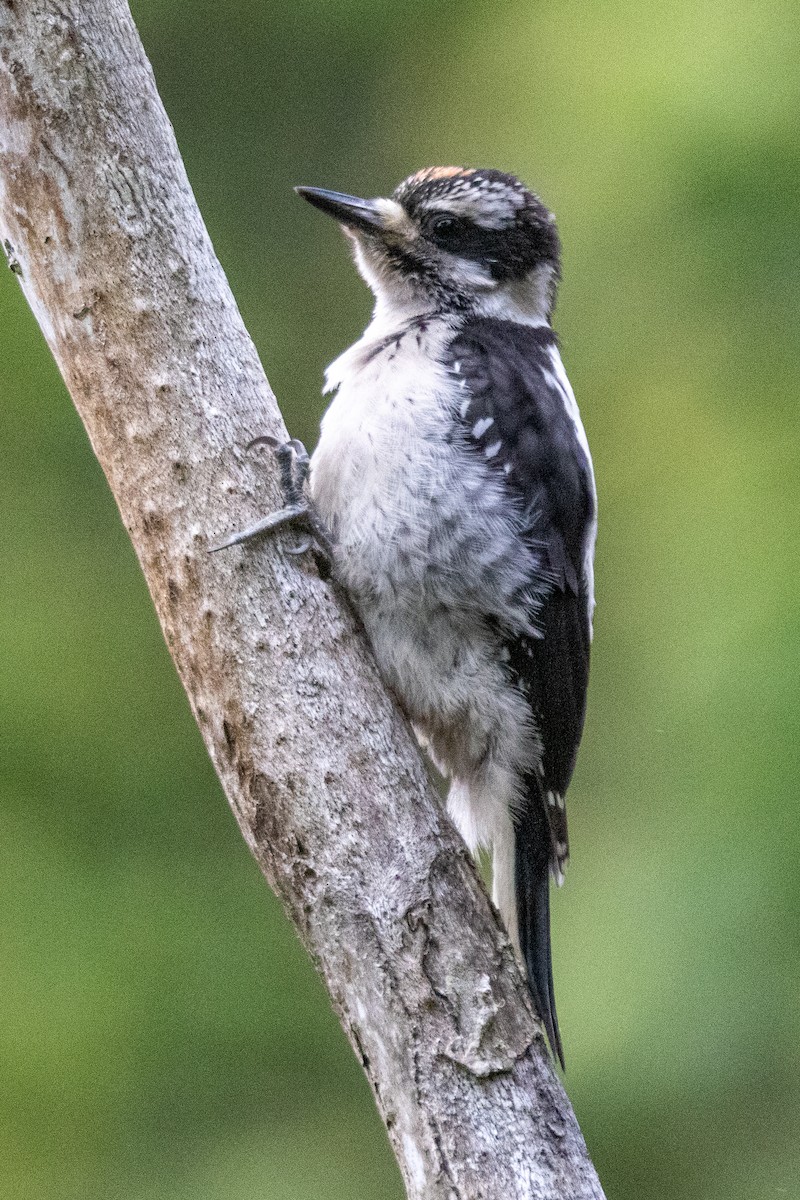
x: 350, y: 211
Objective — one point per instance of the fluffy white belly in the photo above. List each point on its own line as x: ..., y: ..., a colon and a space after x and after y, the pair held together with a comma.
x: 382, y: 452
x: 427, y: 545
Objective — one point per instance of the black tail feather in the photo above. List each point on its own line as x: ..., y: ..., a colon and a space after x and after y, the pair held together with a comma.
x: 532, y: 880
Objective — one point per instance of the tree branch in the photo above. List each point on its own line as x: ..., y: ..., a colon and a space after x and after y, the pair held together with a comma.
x: 100, y: 225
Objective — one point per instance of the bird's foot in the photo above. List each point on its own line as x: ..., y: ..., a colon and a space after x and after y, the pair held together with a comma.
x: 298, y: 511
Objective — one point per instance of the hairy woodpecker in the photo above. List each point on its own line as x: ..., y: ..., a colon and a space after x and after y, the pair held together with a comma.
x: 454, y: 477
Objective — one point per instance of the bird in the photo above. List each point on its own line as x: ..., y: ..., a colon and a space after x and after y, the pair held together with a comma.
x: 453, y: 478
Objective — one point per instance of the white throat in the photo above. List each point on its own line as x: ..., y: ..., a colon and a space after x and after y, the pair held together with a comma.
x: 527, y: 301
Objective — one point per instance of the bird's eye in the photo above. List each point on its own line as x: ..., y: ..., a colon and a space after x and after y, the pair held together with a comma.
x: 442, y: 227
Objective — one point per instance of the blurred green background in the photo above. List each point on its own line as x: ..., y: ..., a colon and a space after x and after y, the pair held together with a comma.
x: 162, y: 1035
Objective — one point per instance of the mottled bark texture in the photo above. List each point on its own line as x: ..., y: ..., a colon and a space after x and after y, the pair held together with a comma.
x: 99, y: 223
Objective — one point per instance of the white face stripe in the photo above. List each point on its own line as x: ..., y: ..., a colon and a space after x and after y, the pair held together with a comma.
x: 487, y: 211
x: 467, y: 275
x: 526, y: 301
x: 490, y: 203
x: 396, y: 219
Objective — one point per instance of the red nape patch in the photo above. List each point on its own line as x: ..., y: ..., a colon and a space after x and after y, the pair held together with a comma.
x: 430, y: 173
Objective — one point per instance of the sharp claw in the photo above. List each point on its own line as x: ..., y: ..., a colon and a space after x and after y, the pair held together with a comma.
x: 284, y: 516
x: 293, y: 462
x: 264, y: 439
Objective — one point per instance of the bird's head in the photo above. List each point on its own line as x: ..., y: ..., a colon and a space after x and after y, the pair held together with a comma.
x: 453, y: 239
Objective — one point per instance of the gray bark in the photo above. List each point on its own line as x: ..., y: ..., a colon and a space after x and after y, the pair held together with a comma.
x: 99, y: 223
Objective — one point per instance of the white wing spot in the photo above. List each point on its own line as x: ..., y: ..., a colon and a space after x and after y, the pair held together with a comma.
x: 507, y: 468
x: 492, y: 450
x: 457, y: 368
x: 482, y: 426
x: 464, y: 409
x: 551, y: 799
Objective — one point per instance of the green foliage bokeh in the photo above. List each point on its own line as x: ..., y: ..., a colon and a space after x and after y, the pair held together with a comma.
x: 162, y: 1035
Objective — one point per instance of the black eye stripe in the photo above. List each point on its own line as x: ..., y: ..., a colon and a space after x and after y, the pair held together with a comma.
x: 458, y: 235
x: 507, y: 253
x: 443, y: 229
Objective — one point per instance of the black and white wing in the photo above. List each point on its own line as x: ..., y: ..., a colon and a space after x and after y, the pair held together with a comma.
x: 518, y: 412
